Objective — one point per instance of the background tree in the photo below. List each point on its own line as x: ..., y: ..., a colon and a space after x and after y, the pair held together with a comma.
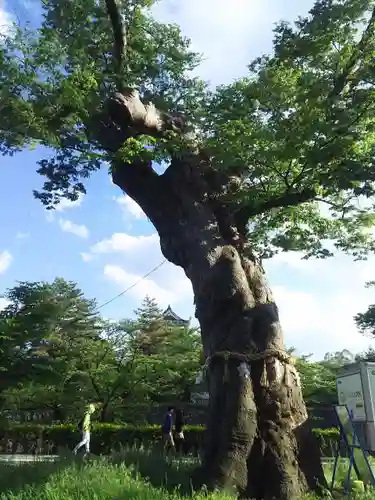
x: 269, y: 149
x: 172, y: 353
x: 115, y: 370
x: 11, y: 359
x: 50, y: 324
x: 319, y: 379
x: 58, y: 354
x: 366, y: 321
x: 367, y: 355
x: 151, y: 328
x: 338, y: 359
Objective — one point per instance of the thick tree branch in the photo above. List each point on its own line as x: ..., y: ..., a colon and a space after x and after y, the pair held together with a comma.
x: 119, y: 33
x: 95, y: 386
x: 126, y: 109
x: 141, y: 183
x: 286, y: 200
x: 124, y: 116
x: 358, y: 51
x: 135, y: 118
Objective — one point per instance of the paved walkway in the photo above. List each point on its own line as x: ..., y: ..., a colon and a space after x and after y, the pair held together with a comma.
x: 19, y: 458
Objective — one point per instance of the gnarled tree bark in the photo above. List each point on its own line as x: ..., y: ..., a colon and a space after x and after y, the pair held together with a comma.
x: 258, y: 437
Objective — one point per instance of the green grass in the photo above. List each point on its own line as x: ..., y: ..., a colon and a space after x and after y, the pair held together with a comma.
x: 103, y: 479
x: 132, y: 475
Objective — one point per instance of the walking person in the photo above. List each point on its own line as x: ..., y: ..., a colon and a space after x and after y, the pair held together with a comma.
x: 167, y: 430
x: 179, y: 425
x: 85, y: 428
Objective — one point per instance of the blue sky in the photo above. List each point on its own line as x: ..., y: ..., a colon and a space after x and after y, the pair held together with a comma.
x: 105, y: 243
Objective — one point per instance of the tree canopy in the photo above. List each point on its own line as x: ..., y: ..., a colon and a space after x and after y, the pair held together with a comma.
x: 366, y: 321
x: 296, y: 135
x: 55, y: 79
x: 301, y: 126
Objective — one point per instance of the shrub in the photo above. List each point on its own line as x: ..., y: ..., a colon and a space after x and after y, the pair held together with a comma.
x: 48, y: 439
x: 328, y: 440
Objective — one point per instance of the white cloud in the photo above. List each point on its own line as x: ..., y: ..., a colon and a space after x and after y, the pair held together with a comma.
x: 230, y: 34
x: 5, y: 19
x: 135, y: 257
x: 3, y: 303
x: 5, y: 260
x: 122, y: 242
x: 129, y: 206
x: 168, y: 285
x: 50, y: 215
x: 317, y: 325
x: 77, y: 229
x: 86, y: 256
x: 317, y: 299
x: 143, y: 287
x: 66, y: 204
x: 339, y: 270
x: 22, y: 236
x: 135, y: 250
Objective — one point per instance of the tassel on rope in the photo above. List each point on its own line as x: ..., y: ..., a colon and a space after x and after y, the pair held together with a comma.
x: 279, y: 354
x: 287, y: 376
x: 226, y: 368
x: 264, y: 377
x: 244, y: 370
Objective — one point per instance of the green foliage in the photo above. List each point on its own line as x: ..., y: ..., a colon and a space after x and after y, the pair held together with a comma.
x: 104, y: 438
x: 368, y: 355
x: 139, y: 474
x: 136, y: 475
x: 299, y: 128
x: 338, y: 359
x: 318, y: 378
x: 172, y: 354
x: 57, y: 353
x: 47, y: 325
x: 53, y: 82
x: 318, y: 382
x: 366, y: 321
x: 150, y: 326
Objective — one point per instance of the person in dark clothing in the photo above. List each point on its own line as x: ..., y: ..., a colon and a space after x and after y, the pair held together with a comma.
x: 167, y: 429
x: 179, y: 431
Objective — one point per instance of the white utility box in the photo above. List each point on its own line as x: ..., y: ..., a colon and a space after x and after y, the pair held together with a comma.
x: 356, y: 389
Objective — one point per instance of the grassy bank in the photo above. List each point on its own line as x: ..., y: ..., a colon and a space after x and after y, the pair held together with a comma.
x: 137, y: 475
x: 95, y: 479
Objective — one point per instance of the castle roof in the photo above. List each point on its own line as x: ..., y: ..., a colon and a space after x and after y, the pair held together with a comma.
x: 171, y: 316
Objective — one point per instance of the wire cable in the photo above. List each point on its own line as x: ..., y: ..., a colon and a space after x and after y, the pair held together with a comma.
x: 132, y: 286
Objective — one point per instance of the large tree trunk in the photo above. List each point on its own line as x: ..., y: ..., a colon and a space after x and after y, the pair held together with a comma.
x: 258, y: 438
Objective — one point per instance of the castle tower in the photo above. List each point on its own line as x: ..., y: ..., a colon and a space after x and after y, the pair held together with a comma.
x: 170, y: 315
